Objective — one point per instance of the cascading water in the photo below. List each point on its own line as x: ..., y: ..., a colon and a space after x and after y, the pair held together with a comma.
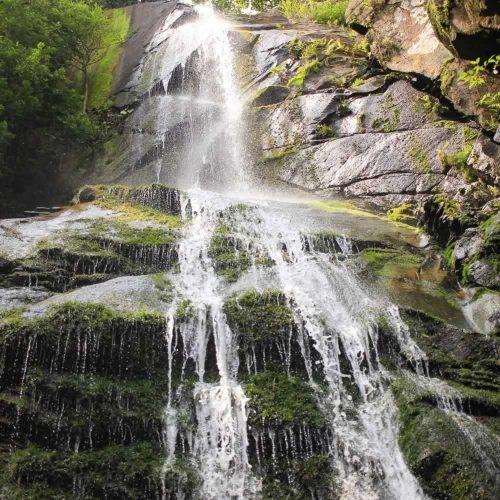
x: 189, y: 134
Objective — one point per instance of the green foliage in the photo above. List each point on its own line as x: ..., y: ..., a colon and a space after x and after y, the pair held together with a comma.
x: 276, y: 399
x: 473, y: 77
x: 322, y: 12
x: 101, y: 77
x: 303, y: 72
x: 357, y: 82
x: 325, y: 131
x: 331, y: 12
x: 491, y: 103
x: 44, y: 46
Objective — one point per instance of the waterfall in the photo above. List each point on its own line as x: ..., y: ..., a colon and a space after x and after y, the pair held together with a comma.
x: 259, y: 370
x: 188, y: 133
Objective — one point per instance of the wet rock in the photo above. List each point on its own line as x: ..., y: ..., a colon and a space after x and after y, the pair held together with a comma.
x: 270, y: 50
x: 469, y: 245
x: 371, y: 164
x: 436, y: 445
x: 371, y: 84
x: 6, y: 266
x: 15, y: 297
x: 496, y: 138
x: 271, y: 95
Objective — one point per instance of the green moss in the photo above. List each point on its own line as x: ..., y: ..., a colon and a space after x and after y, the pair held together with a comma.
x: 404, y: 213
x: 325, y: 131
x: 126, y: 234
x: 436, y: 449
x: 122, y: 199
x: 276, y: 400
x: 439, y: 15
x: 390, y: 120
x: 313, y: 477
x: 388, y: 262
x: 427, y: 106
x: 491, y: 232
x: 459, y: 159
x: 114, y: 398
x: 340, y: 206
x: 101, y: 76
x: 447, y: 76
x: 96, y: 317
x: 116, y: 471
x: 418, y: 156
x: 229, y: 258
x: 185, y: 311
x: 278, y: 154
x: 450, y: 207
x: 259, y: 316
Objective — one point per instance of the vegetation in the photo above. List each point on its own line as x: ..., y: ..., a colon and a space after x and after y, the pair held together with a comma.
x: 322, y: 12
x: 276, y: 399
x: 404, y: 213
x: 436, y: 446
x: 56, y: 59
x: 259, y: 316
x: 459, y: 160
x: 325, y: 131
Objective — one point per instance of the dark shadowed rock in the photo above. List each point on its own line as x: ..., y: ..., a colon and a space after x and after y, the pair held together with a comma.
x: 87, y: 195
x: 273, y: 94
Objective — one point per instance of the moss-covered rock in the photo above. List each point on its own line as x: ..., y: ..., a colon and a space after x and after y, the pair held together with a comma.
x: 116, y: 472
x: 157, y: 197
x: 438, y: 449
x: 231, y: 254
x: 279, y: 400
x: 259, y: 316
x: 97, y: 340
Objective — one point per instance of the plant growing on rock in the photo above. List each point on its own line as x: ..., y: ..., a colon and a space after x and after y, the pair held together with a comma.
x: 474, y: 76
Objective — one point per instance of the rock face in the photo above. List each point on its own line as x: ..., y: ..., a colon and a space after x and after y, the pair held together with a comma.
x: 436, y: 39
x: 407, y: 42
x: 349, y: 127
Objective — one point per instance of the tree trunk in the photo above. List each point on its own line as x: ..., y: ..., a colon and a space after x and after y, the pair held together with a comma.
x: 86, y: 90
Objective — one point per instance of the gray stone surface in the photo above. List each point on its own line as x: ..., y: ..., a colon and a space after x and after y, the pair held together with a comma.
x: 469, y: 245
